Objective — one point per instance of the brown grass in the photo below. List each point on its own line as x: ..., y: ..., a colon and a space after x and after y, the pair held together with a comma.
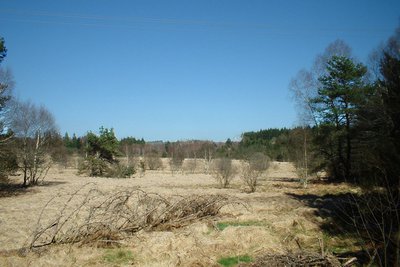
x: 170, y: 242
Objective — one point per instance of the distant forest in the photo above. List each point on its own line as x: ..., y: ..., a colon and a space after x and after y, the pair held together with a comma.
x: 276, y: 143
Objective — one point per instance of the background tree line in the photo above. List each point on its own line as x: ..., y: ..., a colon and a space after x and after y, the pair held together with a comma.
x: 276, y: 143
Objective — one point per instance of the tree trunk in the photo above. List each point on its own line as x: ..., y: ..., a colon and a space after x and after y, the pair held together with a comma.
x: 348, y: 148
x: 25, y: 176
x: 35, y: 159
x: 305, y: 158
x: 127, y: 155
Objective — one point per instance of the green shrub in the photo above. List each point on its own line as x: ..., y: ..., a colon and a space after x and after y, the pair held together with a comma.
x: 121, y: 171
x: 93, y: 166
x: 8, y: 165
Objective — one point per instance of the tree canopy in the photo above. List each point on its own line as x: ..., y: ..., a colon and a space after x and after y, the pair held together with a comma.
x: 105, y: 146
x: 3, y: 49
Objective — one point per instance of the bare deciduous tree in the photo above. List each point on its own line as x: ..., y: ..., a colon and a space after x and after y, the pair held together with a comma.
x: 177, y: 157
x: 33, y: 127
x: 153, y: 160
x: 190, y: 165
x: 253, y: 168
x: 223, y: 171
x: 7, y: 158
x: 208, y: 149
x: 304, y: 86
x: 302, y: 153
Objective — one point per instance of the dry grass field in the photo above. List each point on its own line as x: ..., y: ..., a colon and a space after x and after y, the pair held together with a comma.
x: 271, y: 220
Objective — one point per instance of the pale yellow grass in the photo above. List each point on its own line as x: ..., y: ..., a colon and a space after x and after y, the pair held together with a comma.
x: 199, y: 244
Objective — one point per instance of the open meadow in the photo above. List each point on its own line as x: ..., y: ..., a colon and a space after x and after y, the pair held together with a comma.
x: 200, y: 133
x: 281, y: 217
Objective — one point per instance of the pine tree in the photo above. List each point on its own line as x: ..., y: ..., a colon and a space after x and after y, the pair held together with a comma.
x: 339, y: 97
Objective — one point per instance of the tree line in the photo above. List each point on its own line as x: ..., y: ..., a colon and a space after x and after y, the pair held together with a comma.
x: 350, y: 123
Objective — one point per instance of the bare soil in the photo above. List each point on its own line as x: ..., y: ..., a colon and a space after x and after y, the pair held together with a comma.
x: 274, y: 222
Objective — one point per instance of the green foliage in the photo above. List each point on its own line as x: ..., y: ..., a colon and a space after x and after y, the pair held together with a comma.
x: 132, y: 141
x: 118, y: 257
x: 104, y: 146
x: 102, y: 151
x: 379, y: 128
x: 272, y: 142
x: 358, y: 134
x: 98, y: 167
x: 72, y: 144
x: 94, y: 166
x: 3, y: 49
x: 339, y: 97
x: 235, y: 260
x: 262, y: 136
x: 8, y: 163
x: 377, y: 157
x: 124, y: 171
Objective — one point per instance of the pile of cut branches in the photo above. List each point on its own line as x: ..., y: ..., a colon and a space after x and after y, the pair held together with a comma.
x: 106, y: 219
x: 295, y: 259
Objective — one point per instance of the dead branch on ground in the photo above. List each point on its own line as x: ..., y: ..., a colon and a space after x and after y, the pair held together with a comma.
x: 108, y: 219
x: 295, y: 259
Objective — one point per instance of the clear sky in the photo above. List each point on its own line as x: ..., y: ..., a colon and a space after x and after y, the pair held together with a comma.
x: 176, y: 70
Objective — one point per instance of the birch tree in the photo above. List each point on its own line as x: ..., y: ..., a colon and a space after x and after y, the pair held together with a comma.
x: 33, y: 128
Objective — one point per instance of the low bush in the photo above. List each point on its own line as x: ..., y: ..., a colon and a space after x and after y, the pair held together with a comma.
x: 153, y: 161
x: 223, y: 171
x: 97, y: 167
x: 253, y: 168
x: 121, y: 171
x: 190, y: 165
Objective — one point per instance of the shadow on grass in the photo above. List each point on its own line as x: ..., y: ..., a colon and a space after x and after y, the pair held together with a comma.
x: 283, y: 179
x: 334, y: 214
x: 320, y: 181
x: 50, y: 183
x: 9, y: 190
x: 14, y: 189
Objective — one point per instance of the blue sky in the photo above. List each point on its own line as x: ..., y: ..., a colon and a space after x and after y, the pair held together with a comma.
x: 177, y: 70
